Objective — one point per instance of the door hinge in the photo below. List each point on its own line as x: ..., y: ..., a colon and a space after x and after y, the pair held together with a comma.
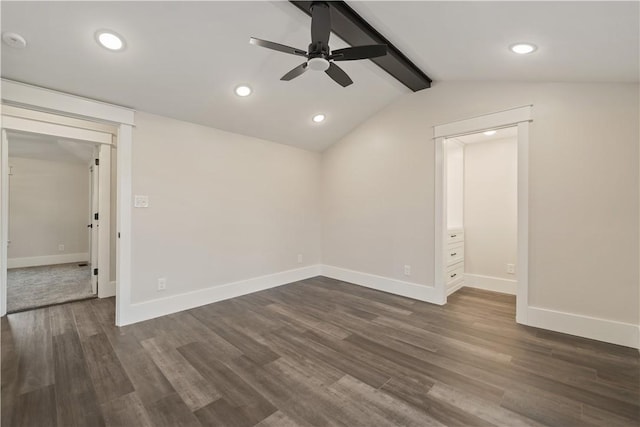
x: 95, y: 216
x: 97, y: 162
x: 95, y: 271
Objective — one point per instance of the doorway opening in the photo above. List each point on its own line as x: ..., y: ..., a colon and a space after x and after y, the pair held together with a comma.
x: 447, y: 242
x: 482, y: 202
x: 53, y: 239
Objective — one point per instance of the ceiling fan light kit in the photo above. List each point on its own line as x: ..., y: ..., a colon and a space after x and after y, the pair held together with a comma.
x: 319, y: 55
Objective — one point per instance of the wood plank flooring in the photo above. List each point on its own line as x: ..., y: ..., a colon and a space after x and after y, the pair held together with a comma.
x: 313, y: 353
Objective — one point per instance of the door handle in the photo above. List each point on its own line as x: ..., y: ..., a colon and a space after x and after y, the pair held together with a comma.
x: 90, y: 226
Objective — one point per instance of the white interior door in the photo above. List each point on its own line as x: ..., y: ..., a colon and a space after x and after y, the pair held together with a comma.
x: 94, y: 225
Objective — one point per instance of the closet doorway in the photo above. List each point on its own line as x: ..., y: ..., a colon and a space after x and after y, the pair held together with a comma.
x: 481, y: 194
x: 53, y: 191
x: 482, y: 201
x: 55, y: 197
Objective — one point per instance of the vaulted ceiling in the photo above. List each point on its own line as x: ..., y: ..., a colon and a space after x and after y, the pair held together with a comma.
x: 183, y: 59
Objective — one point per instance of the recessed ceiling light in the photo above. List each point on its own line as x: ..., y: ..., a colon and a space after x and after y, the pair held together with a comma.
x: 318, y: 118
x: 489, y: 132
x: 14, y: 40
x: 109, y: 40
x: 243, y: 90
x: 523, y: 48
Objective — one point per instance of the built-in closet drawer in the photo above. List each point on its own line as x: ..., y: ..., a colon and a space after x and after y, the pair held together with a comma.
x: 455, y: 236
x: 455, y: 253
x: 455, y: 272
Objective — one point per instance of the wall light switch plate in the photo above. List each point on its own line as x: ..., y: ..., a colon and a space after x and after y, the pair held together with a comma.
x: 141, y: 201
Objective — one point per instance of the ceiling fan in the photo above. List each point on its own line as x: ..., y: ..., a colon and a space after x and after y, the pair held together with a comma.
x: 320, y: 57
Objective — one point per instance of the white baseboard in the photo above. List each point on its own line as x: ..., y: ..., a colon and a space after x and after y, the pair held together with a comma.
x: 175, y: 303
x: 46, y: 260
x: 589, y: 327
x: 108, y: 290
x: 385, y: 284
x: 626, y: 334
x: 490, y: 283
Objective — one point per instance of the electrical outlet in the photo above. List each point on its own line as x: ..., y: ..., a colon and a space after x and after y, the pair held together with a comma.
x: 511, y: 269
x: 61, y: 248
x: 162, y: 284
x: 407, y: 270
x: 299, y: 258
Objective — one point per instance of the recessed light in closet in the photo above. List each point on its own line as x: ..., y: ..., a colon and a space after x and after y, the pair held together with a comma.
x: 318, y: 118
x: 523, y: 48
x: 109, y: 40
x: 489, y: 132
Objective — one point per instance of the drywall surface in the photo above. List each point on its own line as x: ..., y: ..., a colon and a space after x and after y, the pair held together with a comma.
x: 378, y: 190
x: 455, y: 184
x: 48, y: 207
x: 491, y: 207
x: 222, y: 207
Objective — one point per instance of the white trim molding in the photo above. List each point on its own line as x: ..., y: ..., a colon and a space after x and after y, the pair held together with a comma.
x: 4, y: 219
x: 35, y: 261
x: 393, y: 286
x: 55, y: 129
x: 626, y: 334
x: 108, y: 290
x: 499, y: 119
x: 146, y: 310
x: 21, y: 94
x: 491, y: 283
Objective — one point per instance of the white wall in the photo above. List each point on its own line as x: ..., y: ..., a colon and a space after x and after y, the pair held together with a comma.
x: 490, y: 207
x: 455, y: 184
x: 222, y: 207
x: 378, y: 190
x: 48, y: 206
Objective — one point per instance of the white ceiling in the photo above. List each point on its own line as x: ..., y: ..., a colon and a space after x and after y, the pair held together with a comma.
x: 587, y: 41
x: 42, y: 147
x: 183, y: 59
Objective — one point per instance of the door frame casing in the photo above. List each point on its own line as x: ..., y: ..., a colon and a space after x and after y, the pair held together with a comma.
x: 520, y: 117
x: 75, y: 107
x: 93, y: 207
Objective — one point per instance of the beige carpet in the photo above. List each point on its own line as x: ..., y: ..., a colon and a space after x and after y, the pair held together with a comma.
x: 32, y: 287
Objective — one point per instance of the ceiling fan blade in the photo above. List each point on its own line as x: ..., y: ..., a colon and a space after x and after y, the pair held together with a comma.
x: 320, y: 23
x: 277, y: 46
x: 295, y: 72
x: 338, y: 75
x: 359, y: 52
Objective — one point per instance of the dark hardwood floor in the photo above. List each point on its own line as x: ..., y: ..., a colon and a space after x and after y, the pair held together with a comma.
x: 313, y: 353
